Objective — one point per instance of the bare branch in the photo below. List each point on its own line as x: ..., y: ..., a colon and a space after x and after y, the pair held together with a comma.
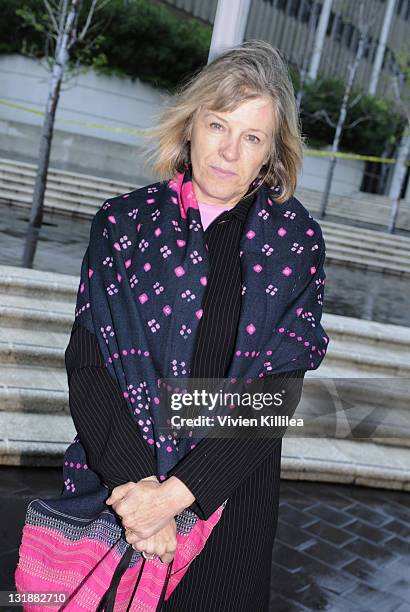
x: 356, y: 99
x: 51, y: 15
x: 96, y: 26
x: 63, y: 14
x: 93, y: 9
x: 73, y: 34
x: 101, y: 5
x: 90, y: 44
x: 321, y: 114
x: 88, y: 20
x: 356, y: 122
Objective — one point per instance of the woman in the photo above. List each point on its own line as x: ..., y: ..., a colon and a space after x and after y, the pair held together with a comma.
x: 214, y: 272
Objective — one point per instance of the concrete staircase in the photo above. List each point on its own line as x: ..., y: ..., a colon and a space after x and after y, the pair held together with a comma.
x: 82, y: 195
x: 364, y: 207
x: 67, y: 192
x: 37, y: 312
x: 366, y: 249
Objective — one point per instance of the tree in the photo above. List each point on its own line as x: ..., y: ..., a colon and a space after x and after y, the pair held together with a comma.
x: 363, y: 28
x: 312, y: 53
x: 401, y: 80
x: 61, y: 24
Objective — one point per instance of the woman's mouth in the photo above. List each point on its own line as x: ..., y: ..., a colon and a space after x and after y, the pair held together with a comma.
x: 222, y: 172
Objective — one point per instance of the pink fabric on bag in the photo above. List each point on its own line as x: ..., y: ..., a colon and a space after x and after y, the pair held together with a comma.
x: 62, y: 565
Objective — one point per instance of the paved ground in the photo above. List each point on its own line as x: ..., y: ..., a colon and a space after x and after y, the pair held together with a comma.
x: 338, y: 548
x: 61, y: 246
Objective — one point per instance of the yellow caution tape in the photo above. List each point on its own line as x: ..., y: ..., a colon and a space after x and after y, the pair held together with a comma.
x: 371, y: 158
x: 123, y: 130
x: 100, y: 126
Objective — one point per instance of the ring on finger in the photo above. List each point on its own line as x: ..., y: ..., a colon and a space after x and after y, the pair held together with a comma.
x: 146, y: 556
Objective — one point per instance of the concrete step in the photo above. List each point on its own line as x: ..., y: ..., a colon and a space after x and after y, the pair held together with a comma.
x: 37, y: 401
x: 27, y: 439
x: 72, y: 186
x: 364, y: 234
x: 378, y: 218
x: 33, y: 378
x: 72, y: 196
x: 379, y: 256
x: 19, y: 302
x: 45, y: 317
x: 33, y: 319
x: 66, y: 192
x: 356, y: 254
x: 370, y: 208
x: 37, y: 311
x: 367, y: 264
x: 372, y: 245
x: 354, y: 409
x: 60, y: 206
x: 69, y: 190
x: 376, y: 336
x: 364, y: 463
x: 367, y: 362
x: 361, y: 348
x: 35, y: 301
x: 16, y: 353
x: 361, y: 199
x: 371, y: 362
x: 51, y: 305
x: 63, y: 177
x: 37, y: 283
x: 70, y: 193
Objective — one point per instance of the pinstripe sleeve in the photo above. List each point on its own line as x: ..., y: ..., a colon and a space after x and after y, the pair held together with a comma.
x: 217, y: 466
x: 115, y: 448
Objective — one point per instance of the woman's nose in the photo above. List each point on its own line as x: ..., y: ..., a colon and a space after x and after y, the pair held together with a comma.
x: 230, y: 150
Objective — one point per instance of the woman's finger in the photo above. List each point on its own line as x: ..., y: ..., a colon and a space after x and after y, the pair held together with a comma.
x: 130, y: 536
x: 119, y: 492
x: 167, y: 557
x: 162, y: 544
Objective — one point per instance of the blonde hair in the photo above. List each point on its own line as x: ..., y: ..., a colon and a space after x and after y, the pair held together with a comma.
x: 247, y: 71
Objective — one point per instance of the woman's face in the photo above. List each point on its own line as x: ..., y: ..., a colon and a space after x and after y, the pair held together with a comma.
x: 229, y: 148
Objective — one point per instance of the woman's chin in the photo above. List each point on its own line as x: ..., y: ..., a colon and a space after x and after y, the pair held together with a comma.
x: 220, y: 189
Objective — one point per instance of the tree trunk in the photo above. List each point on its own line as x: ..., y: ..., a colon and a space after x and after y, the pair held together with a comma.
x: 343, y: 112
x: 398, y: 178
x: 37, y: 207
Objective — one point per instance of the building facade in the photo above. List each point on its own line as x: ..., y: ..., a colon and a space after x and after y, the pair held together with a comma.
x: 291, y: 26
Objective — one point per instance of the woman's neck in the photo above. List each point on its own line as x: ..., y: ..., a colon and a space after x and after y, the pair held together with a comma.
x: 207, y: 198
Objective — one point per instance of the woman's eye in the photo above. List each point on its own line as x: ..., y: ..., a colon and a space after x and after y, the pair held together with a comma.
x: 254, y: 138
x: 215, y: 123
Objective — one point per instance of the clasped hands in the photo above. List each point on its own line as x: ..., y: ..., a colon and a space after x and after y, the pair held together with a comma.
x: 147, y: 509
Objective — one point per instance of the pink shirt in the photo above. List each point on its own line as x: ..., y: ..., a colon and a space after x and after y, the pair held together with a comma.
x: 210, y: 211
